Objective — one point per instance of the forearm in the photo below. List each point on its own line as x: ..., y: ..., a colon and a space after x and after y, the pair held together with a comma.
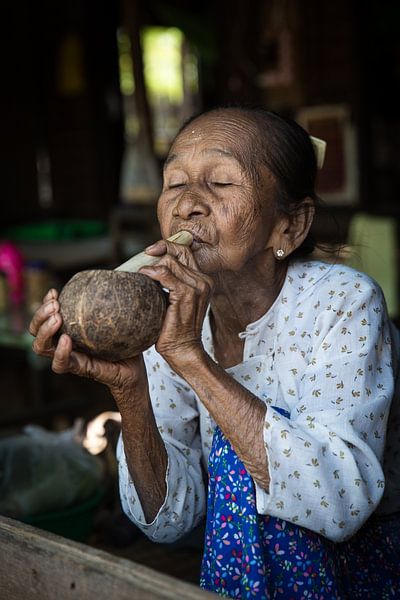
x: 239, y: 413
x: 145, y: 452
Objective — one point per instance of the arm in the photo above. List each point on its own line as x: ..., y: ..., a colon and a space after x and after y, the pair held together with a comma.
x: 238, y: 412
x: 145, y: 453
x: 326, y: 471
x: 325, y: 462
x: 176, y: 413
x: 159, y: 462
x: 127, y: 381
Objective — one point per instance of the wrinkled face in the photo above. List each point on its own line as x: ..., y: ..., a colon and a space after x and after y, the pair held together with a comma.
x: 210, y: 189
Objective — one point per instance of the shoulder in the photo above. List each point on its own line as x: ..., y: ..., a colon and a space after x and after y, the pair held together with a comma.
x: 326, y: 296
x: 332, y: 282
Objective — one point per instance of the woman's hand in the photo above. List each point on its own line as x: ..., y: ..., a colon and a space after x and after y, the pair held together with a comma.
x: 239, y: 413
x: 189, y: 294
x: 120, y: 377
x: 143, y: 446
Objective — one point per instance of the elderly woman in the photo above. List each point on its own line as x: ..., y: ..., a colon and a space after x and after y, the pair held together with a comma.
x: 276, y: 373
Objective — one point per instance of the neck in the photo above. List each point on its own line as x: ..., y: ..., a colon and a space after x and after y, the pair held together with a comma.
x: 240, y: 298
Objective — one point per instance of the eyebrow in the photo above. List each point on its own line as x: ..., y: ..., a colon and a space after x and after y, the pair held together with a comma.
x: 212, y: 151
x: 219, y: 151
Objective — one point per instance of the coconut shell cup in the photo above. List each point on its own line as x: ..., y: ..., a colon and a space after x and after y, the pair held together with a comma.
x: 113, y: 315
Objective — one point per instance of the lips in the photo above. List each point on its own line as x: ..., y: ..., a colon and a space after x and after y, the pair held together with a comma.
x: 197, y: 239
x: 197, y: 236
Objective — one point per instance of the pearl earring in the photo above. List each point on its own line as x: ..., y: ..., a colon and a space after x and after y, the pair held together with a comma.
x: 280, y: 253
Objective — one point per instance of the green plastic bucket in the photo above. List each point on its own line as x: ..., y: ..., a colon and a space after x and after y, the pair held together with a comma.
x: 74, y: 523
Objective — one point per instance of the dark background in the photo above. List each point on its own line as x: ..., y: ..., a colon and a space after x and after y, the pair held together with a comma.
x: 345, y: 52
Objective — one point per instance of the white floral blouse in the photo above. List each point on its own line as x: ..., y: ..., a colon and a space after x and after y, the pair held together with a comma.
x: 326, y: 353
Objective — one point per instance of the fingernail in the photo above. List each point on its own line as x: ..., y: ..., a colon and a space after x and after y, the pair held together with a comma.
x: 63, y: 339
x: 150, y: 247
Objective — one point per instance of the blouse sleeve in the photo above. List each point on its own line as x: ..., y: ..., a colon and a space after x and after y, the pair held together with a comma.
x: 325, y: 460
x: 176, y: 415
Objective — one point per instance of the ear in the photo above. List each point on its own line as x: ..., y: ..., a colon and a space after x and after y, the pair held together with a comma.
x: 291, y: 230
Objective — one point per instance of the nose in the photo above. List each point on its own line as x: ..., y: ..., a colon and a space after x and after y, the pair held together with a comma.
x: 190, y: 205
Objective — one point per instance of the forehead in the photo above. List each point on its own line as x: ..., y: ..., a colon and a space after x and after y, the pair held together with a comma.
x: 230, y: 132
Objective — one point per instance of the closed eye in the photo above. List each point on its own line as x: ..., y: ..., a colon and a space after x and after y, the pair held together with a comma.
x: 175, y: 185
x: 221, y: 183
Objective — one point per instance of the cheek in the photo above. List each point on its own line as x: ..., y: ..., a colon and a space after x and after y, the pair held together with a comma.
x: 242, y: 217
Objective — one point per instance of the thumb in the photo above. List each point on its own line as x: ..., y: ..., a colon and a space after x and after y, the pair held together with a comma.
x: 77, y: 363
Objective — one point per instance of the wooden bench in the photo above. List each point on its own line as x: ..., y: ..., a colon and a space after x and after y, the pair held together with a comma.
x: 36, y: 565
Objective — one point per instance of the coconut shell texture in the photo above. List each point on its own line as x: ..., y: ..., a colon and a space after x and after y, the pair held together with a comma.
x: 112, y: 315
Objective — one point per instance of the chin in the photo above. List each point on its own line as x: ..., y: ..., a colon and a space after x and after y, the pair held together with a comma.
x: 205, y: 263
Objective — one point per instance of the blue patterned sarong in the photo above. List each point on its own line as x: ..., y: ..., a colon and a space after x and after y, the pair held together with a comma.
x: 260, y: 557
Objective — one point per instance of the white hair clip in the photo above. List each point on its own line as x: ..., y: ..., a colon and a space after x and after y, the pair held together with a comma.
x: 319, y: 149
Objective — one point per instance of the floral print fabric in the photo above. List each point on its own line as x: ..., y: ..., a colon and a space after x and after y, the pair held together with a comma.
x: 327, y: 354
x: 252, y: 556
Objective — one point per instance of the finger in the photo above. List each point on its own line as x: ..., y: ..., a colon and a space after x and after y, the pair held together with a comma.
x: 186, y: 272
x: 43, y: 344
x: 170, y: 274
x: 179, y: 251
x: 49, y: 307
x: 182, y: 253
x: 179, y: 265
x: 179, y: 279
x: 52, y: 294
x: 62, y: 355
x: 157, y: 249
x: 66, y: 360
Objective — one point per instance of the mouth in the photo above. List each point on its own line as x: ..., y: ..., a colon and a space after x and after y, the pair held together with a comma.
x: 197, y: 239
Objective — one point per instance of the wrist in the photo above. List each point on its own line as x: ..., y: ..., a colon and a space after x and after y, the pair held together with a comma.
x: 187, y: 360
x: 131, y: 386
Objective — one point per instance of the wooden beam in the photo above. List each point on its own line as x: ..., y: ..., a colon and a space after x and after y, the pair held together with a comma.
x: 36, y: 565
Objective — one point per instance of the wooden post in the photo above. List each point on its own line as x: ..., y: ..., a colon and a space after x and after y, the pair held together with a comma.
x: 36, y: 565
x: 131, y: 19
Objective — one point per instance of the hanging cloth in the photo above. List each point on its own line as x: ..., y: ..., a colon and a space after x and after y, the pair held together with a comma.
x: 373, y: 243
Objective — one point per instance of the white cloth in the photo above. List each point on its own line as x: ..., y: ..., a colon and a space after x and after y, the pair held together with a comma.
x: 324, y: 353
